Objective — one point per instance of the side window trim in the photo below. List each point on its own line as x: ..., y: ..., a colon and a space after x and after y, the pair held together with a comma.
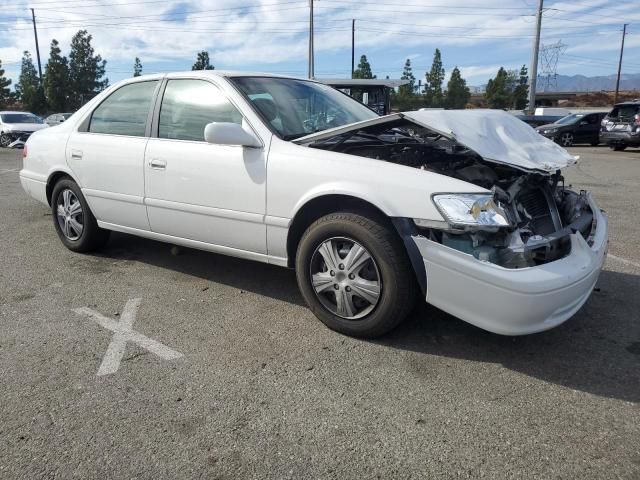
x: 154, y: 122
x: 86, y: 122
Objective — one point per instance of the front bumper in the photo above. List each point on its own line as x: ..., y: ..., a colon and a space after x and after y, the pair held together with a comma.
x: 550, y: 136
x: 514, y: 301
x: 620, y: 138
x: 17, y: 138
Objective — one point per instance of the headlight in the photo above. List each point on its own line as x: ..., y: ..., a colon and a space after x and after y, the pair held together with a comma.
x: 471, y: 210
x: 551, y: 130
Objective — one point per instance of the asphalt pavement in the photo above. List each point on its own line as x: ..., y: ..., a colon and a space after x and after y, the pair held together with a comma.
x: 147, y: 361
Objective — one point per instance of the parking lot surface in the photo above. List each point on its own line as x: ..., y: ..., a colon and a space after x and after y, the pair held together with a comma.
x: 257, y: 387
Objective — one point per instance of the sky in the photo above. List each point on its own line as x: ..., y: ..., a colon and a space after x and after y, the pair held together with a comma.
x: 272, y: 35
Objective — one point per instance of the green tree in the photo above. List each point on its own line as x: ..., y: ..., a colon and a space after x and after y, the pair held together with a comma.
x: 497, y: 93
x: 364, y: 69
x: 434, y: 80
x: 407, y: 74
x: 28, y: 89
x: 202, y: 62
x: 5, y: 91
x: 520, y: 95
x: 457, y: 94
x: 86, y: 70
x: 56, y: 79
x: 137, y: 68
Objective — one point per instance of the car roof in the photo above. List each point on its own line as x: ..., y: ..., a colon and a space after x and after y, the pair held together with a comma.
x: 217, y: 73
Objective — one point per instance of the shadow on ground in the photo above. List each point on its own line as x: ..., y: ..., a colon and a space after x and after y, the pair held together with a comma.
x: 597, y: 351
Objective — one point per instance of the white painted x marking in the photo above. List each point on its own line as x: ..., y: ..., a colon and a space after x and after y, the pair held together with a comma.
x: 123, y: 333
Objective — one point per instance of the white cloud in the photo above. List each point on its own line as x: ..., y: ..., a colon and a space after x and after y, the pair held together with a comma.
x: 271, y: 34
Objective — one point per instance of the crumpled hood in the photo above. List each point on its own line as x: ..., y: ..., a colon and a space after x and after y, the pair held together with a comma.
x: 496, y: 136
x: 23, y: 127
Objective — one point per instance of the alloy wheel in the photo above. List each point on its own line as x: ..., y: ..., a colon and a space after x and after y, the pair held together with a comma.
x: 70, y: 215
x: 345, y: 278
x: 566, y: 139
x: 4, y: 141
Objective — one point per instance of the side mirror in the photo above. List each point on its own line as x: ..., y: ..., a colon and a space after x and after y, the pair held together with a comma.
x: 227, y: 133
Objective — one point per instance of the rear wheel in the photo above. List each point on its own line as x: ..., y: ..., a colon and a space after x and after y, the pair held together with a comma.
x: 5, y: 140
x: 74, y: 223
x: 617, y: 148
x: 355, y: 275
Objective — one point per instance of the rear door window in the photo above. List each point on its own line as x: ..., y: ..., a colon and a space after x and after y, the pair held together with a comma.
x: 125, y: 111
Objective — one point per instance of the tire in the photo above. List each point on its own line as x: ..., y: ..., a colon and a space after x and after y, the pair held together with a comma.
x: 5, y: 140
x: 388, y: 267
x: 566, y: 139
x: 74, y: 223
x: 618, y: 148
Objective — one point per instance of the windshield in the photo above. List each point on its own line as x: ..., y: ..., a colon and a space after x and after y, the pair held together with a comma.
x: 295, y: 108
x: 20, y: 118
x: 569, y: 119
x: 624, y: 112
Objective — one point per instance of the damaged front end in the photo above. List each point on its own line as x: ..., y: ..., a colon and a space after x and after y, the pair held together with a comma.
x: 526, y: 217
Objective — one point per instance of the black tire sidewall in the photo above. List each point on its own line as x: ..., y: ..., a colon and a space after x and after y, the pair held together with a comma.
x: 91, y: 235
x: 386, y: 314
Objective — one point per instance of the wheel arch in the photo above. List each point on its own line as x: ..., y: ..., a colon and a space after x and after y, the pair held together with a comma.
x: 319, y: 206
x: 53, y: 178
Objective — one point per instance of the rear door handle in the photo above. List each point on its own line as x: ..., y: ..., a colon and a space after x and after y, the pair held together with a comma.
x: 157, y: 164
x: 76, y: 154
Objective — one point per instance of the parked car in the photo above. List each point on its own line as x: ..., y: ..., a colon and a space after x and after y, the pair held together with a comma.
x: 466, y: 206
x: 538, y: 120
x: 574, y: 128
x: 16, y: 127
x: 57, y: 118
x: 621, y: 127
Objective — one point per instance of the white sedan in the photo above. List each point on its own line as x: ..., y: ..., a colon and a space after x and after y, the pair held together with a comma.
x: 467, y: 207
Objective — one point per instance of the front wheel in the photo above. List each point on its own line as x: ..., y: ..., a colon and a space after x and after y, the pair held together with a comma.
x: 5, y: 140
x: 617, y: 148
x: 354, y: 273
x: 566, y: 139
x: 74, y: 223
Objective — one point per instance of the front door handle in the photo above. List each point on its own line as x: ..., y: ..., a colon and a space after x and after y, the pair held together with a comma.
x: 157, y: 164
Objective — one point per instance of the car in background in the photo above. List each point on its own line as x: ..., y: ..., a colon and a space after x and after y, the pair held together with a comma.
x: 544, y: 116
x: 574, y: 128
x: 17, y: 127
x: 621, y: 127
x: 57, y: 118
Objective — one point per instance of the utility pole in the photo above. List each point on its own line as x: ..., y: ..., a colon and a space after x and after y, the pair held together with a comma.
x: 533, y: 72
x: 624, y: 33
x: 35, y: 32
x: 311, y: 66
x: 353, y: 45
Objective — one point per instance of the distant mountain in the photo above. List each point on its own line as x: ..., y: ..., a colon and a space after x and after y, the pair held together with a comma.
x: 581, y: 83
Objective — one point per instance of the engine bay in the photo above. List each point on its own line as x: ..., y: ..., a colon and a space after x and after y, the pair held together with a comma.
x: 542, y: 212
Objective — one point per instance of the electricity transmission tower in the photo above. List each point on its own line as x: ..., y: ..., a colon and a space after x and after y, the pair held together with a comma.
x: 550, y: 55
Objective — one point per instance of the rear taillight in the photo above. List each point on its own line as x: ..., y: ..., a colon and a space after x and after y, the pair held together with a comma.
x: 24, y: 152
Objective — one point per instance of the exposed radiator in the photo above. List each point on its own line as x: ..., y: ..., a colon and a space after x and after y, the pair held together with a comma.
x: 540, y: 206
